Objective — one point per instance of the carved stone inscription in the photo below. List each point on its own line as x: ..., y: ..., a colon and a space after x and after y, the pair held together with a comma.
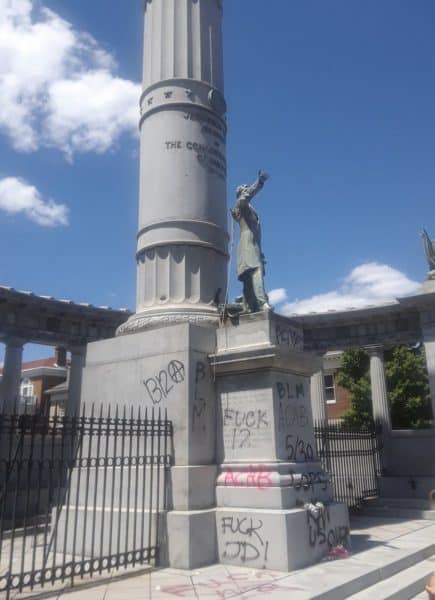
x: 209, y: 149
x: 209, y: 156
x: 289, y: 336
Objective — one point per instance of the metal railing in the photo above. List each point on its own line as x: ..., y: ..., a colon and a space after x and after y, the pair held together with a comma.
x: 353, y: 458
x: 80, y: 495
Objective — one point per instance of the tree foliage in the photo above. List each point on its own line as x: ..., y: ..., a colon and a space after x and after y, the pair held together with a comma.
x: 407, y: 384
x: 408, y: 387
x: 353, y: 376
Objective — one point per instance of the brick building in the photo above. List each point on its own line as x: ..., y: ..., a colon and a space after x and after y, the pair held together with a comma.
x: 37, y: 377
x: 337, y: 398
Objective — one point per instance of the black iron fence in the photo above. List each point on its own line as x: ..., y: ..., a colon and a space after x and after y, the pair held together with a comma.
x: 80, y: 496
x: 353, y: 458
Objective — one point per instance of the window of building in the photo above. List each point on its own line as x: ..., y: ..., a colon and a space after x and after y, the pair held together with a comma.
x: 329, y: 385
x: 26, y: 388
x: 27, y: 399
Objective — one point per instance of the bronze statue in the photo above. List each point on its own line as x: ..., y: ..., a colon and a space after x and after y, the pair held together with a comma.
x: 429, y: 248
x: 250, y: 259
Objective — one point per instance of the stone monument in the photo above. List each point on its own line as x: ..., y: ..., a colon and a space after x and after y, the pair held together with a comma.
x: 245, y: 478
x: 160, y: 357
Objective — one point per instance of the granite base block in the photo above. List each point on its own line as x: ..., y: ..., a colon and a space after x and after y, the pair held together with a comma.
x: 192, y: 540
x: 281, y: 540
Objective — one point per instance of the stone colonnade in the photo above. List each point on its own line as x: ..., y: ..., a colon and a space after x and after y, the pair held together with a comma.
x: 11, y: 380
x: 380, y: 407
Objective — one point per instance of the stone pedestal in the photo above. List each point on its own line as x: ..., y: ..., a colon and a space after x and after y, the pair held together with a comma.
x: 269, y: 470
x: 167, y: 369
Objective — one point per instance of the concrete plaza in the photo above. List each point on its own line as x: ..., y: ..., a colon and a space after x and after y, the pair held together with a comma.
x: 391, y: 558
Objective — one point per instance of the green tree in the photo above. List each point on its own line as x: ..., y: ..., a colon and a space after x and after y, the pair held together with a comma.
x: 353, y: 376
x: 408, y: 387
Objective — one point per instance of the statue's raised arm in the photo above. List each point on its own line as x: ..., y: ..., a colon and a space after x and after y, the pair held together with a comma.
x: 429, y: 249
x: 245, y: 193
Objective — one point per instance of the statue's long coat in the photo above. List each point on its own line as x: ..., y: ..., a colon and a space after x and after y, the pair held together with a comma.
x: 249, y: 255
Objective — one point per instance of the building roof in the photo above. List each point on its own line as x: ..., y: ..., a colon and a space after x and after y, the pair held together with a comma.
x: 46, y: 366
x: 41, y: 362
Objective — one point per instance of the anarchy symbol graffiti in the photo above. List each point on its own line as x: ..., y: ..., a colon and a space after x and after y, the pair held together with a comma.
x: 176, y: 371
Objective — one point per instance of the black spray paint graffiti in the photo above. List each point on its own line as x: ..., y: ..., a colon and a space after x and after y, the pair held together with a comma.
x: 199, y: 407
x: 307, y: 481
x: 160, y: 386
x: 248, y: 544
x: 298, y: 449
x: 320, y: 532
x: 243, y: 423
x: 291, y: 415
x: 290, y: 391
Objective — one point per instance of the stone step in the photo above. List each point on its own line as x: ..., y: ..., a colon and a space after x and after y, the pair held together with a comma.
x: 399, y: 513
x: 401, y: 586
x: 420, y: 503
x: 340, y: 579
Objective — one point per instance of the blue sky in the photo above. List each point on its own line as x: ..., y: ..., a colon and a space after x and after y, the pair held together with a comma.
x: 334, y: 98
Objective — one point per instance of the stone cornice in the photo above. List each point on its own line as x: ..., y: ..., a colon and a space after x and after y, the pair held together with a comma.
x: 46, y: 320
x: 400, y: 322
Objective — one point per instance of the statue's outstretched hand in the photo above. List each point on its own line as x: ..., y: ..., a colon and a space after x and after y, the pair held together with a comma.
x: 262, y: 177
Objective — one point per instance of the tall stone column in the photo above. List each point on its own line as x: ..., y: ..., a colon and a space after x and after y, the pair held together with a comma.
x: 427, y: 318
x: 78, y: 359
x: 182, y: 237
x: 318, y: 401
x: 12, y: 374
x: 381, y: 409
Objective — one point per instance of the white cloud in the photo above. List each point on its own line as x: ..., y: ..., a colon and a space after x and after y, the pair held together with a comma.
x: 368, y: 284
x: 277, y: 296
x: 58, y: 87
x: 17, y: 196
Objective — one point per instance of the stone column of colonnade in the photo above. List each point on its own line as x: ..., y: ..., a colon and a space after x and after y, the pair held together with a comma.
x: 78, y: 360
x: 182, y: 235
x: 11, y: 380
x: 380, y: 406
x: 427, y: 318
x: 318, y: 400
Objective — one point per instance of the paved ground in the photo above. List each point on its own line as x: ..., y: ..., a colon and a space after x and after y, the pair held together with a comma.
x: 220, y: 582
